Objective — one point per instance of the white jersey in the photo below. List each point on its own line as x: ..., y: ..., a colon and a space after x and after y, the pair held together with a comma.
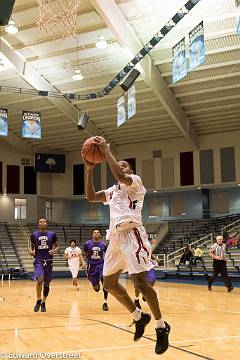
x: 73, y: 254
x: 125, y: 202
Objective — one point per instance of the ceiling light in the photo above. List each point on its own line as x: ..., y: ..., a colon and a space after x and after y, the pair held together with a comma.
x: 77, y: 75
x: 154, y: 191
x: 101, y: 42
x: 11, y: 28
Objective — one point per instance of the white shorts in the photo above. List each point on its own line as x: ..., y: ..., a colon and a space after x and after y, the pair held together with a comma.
x: 74, y: 270
x: 129, y: 251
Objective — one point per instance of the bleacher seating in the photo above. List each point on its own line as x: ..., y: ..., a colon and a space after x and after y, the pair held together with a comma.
x: 9, y: 255
x: 186, y: 232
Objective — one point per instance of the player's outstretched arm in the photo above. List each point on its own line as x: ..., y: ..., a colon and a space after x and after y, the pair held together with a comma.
x: 92, y: 195
x: 114, y: 166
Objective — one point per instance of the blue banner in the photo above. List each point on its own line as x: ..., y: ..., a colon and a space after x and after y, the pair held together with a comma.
x: 196, y: 47
x: 3, y: 122
x: 131, y: 101
x: 179, y: 66
x: 31, y: 125
x: 121, y: 111
x: 50, y: 163
x: 238, y: 16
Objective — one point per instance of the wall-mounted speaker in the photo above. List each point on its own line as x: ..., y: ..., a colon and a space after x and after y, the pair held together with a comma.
x: 6, y: 7
x: 82, y: 122
x: 127, y: 83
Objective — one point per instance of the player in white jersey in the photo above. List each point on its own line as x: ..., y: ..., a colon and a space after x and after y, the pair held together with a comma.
x: 129, y: 248
x: 74, y: 256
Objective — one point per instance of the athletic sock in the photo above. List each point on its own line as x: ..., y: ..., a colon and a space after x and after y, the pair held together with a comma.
x: 159, y: 323
x: 136, y: 314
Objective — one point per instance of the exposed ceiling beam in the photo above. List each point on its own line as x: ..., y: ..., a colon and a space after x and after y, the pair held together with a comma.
x: 38, y: 82
x: 126, y: 37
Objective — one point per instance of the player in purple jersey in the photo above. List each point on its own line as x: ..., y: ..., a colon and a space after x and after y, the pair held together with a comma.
x: 42, y: 246
x: 93, y: 252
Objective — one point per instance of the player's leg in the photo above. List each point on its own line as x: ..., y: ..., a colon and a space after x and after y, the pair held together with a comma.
x: 137, y: 251
x: 151, y: 278
x: 136, y: 300
x: 105, y: 293
x: 226, y: 279
x: 216, y: 271
x: 114, y: 263
x: 47, y: 279
x: 39, y: 293
x: 38, y: 277
x: 74, y: 271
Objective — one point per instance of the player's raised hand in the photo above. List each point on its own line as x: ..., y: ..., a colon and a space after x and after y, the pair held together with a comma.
x: 102, y: 143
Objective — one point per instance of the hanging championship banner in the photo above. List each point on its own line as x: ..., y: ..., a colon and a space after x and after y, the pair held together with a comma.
x: 196, y: 47
x: 179, y: 66
x: 238, y: 16
x: 131, y: 101
x: 121, y: 111
x: 31, y: 125
x: 3, y: 122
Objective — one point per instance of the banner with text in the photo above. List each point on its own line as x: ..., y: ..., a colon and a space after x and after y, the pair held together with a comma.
x: 3, y: 122
x: 121, y: 111
x: 31, y: 125
x: 131, y: 101
x: 179, y: 66
x: 238, y: 16
x: 196, y: 47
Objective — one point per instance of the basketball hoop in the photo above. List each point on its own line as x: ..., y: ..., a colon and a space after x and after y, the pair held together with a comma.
x: 58, y: 17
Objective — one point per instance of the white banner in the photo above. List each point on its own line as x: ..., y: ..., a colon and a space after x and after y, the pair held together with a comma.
x: 3, y: 122
x: 31, y: 125
x: 131, y: 101
x: 179, y: 65
x: 238, y: 16
x: 196, y: 47
x: 121, y: 111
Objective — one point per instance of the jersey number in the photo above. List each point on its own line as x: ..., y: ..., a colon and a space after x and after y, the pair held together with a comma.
x: 132, y: 204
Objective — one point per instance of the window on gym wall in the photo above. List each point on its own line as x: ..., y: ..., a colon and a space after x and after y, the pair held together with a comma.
x: 49, y: 210
x: 20, y: 209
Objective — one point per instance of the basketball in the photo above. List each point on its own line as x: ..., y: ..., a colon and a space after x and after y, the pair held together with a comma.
x: 91, y: 152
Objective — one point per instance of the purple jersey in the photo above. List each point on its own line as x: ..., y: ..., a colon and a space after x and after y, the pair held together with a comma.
x: 95, y: 251
x: 43, y: 242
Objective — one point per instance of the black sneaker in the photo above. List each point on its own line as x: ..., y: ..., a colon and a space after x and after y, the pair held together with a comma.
x: 140, y: 325
x: 37, y: 306
x: 230, y: 288
x: 137, y: 304
x: 43, y: 307
x: 209, y: 287
x: 162, y: 339
x: 105, y: 307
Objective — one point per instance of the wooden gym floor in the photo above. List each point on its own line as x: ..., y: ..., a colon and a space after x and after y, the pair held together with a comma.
x: 205, y: 325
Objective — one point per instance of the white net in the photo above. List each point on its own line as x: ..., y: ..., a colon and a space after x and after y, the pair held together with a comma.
x: 58, y: 17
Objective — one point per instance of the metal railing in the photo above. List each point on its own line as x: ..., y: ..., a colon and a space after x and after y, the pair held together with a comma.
x: 161, y: 258
x: 231, y: 227
x: 160, y: 235
x: 204, y: 241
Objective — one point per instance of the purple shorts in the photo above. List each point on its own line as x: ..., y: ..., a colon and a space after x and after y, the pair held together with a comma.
x: 151, y: 276
x: 95, y: 273
x: 43, y: 268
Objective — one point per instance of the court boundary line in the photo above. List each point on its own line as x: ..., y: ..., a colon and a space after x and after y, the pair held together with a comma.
x: 148, y: 338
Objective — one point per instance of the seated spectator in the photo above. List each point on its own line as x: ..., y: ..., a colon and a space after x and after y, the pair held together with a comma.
x: 232, y: 240
x: 197, y: 255
x: 186, y: 256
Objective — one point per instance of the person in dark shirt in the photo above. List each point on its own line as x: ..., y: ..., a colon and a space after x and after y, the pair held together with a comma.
x: 42, y: 247
x: 186, y: 256
x: 93, y: 252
